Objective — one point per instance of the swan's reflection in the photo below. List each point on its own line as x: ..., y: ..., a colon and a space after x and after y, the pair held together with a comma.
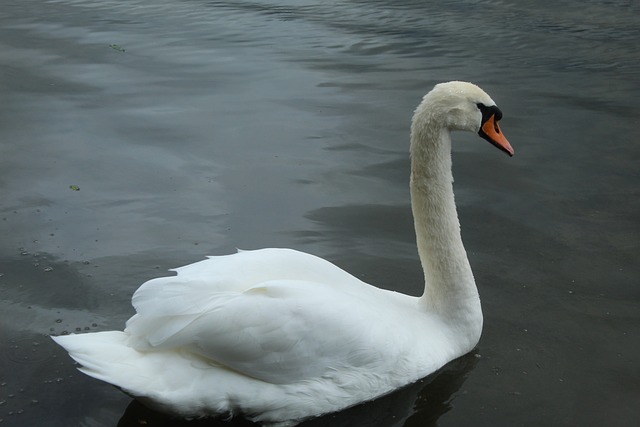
x: 420, y: 404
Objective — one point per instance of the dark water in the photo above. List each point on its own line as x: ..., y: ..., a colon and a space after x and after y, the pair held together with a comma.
x: 211, y: 125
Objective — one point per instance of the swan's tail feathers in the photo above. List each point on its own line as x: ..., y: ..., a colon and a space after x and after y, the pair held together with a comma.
x: 163, y: 380
x: 106, y: 356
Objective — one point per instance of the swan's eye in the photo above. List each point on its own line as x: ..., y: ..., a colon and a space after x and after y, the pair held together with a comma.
x: 487, y: 112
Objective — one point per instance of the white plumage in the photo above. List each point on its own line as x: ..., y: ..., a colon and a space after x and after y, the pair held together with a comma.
x: 279, y: 336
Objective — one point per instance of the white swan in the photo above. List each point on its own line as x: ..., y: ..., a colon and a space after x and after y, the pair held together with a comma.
x: 279, y: 336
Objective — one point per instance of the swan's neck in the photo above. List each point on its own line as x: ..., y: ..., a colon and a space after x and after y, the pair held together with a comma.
x: 450, y: 289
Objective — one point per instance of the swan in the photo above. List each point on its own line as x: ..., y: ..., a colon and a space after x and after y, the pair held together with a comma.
x: 279, y: 336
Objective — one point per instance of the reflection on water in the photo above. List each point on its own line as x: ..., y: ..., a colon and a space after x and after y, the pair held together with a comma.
x: 246, y: 124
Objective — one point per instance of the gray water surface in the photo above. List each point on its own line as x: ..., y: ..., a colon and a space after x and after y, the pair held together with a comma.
x: 141, y: 135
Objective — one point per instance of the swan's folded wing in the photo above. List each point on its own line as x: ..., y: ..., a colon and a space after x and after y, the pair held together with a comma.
x: 174, y: 302
x: 278, y: 331
x: 245, y: 269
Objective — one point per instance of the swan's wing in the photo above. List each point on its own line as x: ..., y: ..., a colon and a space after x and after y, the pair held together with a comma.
x: 242, y: 270
x: 277, y: 331
x: 167, y: 305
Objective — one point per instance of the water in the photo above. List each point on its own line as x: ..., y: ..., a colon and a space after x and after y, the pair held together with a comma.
x: 137, y: 136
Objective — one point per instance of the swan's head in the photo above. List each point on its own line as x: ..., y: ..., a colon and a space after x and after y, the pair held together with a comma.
x: 464, y: 106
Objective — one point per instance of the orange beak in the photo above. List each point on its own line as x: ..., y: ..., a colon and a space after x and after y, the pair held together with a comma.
x: 492, y: 133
